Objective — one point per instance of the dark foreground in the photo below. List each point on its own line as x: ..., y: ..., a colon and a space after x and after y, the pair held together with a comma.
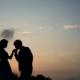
x: 38, y: 77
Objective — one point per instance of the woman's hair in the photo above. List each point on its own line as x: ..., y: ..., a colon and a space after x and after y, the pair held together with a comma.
x: 3, y: 42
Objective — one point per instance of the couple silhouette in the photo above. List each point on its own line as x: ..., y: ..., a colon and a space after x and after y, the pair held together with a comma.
x: 24, y: 58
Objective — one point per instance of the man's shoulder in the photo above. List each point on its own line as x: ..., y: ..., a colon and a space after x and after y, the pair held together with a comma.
x: 26, y: 48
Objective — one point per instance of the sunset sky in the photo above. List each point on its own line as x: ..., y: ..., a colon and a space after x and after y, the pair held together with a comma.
x: 51, y: 29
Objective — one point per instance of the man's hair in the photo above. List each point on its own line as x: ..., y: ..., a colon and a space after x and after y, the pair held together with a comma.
x: 19, y: 42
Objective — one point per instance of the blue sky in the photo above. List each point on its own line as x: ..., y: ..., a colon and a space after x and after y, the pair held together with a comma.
x: 51, y: 28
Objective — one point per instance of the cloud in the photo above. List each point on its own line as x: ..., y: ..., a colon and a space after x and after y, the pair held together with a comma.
x: 70, y: 26
x: 40, y: 28
x: 50, y: 28
x: 25, y: 32
x: 42, y: 35
x: 7, y: 33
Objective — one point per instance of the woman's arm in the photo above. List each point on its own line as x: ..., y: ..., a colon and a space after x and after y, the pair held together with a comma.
x: 10, y: 57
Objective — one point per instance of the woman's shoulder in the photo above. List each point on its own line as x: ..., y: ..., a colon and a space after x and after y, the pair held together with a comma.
x: 3, y: 51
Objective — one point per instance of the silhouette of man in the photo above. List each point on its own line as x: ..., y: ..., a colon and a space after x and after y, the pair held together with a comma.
x: 24, y: 58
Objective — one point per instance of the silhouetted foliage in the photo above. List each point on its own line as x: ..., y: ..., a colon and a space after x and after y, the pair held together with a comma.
x: 38, y: 77
x: 41, y: 77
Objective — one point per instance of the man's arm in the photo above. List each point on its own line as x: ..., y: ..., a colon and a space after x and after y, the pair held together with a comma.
x: 15, y: 54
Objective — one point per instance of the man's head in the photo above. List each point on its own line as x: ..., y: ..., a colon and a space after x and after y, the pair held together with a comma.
x: 18, y: 44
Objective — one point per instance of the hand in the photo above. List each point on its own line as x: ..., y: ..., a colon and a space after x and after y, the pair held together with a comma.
x: 15, y: 50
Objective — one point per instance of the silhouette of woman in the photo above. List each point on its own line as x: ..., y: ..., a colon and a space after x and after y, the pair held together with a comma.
x: 5, y: 69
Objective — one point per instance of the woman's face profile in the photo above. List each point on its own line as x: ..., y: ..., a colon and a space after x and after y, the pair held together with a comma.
x: 5, y: 45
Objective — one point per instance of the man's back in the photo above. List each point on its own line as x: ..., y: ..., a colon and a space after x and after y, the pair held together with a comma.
x: 25, y: 58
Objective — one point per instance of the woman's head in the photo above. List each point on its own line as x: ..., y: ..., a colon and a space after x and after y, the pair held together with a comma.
x: 3, y: 43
